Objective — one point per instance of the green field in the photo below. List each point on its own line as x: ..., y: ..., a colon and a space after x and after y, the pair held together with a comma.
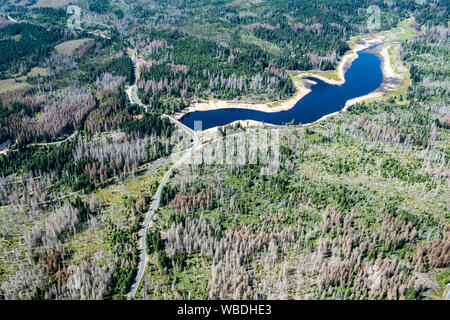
x: 68, y: 48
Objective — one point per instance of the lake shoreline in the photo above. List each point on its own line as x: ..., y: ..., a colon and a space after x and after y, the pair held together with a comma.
x: 391, y: 79
x: 381, y: 51
x: 269, y: 107
x: 302, y: 89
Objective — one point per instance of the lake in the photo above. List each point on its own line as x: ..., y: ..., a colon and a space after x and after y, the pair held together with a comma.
x: 364, y: 76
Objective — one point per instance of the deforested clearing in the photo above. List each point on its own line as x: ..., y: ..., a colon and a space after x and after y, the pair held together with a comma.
x: 69, y: 47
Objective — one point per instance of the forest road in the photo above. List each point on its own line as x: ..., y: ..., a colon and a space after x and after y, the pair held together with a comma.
x: 155, y: 205
x: 132, y: 95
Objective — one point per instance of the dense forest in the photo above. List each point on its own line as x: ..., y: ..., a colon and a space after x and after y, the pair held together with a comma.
x: 22, y: 45
x: 184, y: 68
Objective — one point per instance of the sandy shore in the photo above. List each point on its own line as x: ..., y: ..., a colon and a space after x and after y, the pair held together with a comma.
x: 391, y: 80
x: 211, y: 132
x: 302, y: 88
x: 346, y: 61
x: 214, y: 104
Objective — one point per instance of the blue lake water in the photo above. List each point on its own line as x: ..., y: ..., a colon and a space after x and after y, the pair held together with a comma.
x: 364, y: 76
